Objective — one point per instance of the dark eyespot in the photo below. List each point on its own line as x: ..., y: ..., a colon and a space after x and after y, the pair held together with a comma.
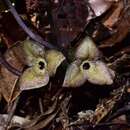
x: 86, y: 66
x: 42, y: 65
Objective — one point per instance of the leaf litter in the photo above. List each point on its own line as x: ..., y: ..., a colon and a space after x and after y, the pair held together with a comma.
x: 56, y: 30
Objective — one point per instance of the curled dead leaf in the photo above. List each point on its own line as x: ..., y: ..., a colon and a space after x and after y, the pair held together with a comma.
x: 15, y: 120
x: 8, y: 81
x: 115, y: 15
x: 119, y: 25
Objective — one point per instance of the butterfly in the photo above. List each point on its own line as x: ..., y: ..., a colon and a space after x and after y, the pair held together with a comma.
x: 42, y: 64
x: 88, y: 66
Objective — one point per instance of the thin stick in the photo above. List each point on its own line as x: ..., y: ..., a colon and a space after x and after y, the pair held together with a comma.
x: 12, y: 111
x: 119, y: 112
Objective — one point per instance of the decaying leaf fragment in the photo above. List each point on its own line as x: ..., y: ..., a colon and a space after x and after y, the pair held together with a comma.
x: 8, y: 81
x: 103, y: 108
x: 87, y: 67
x: 42, y: 64
x: 107, y: 104
x: 16, y: 120
x: 115, y: 15
x: 100, y: 6
x: 118, y: 22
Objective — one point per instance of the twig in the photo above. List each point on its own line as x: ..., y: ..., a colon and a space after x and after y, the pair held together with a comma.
x: 41, y: 106
x: 44, y: 122
x: 64, y: 119
x: 55, y: 30
x: 121, y: 111
x: 11, y: 112
x: 120, y: 61
x: 51, y: 21
x: 27, y: 30
x: 46, y: 114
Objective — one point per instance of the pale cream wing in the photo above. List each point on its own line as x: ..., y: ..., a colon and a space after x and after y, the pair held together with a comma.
x: 87, y: 49
x: 32, y: 51
x: 53, y: 58
x: 98, y: 73
x: 74, y: 77
x: 35, y: 77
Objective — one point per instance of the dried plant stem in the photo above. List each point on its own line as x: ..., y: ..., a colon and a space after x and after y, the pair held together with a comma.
x: 11, y: 112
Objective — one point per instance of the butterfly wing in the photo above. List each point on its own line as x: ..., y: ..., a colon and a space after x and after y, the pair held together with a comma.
x: 54, y: 58
x: 35, y: 77
x: 98, y: 73
x: 74, y: 76
x: 87, y: 50
x: 32, y: 51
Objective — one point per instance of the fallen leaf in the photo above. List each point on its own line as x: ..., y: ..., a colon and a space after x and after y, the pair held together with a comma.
x: 121, y: 29
x: 107, y: 104
x: 115, y: 15
x: 15, y: 120
x: 100, y: 6
x: 8, y: 80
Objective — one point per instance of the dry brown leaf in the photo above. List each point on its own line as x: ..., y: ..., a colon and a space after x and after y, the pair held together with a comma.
x: 8, y: 80
x: 121, y: 30
x: 15, y: 120
x: 114, y: 17
x: 6, y: 39
x: 100, y: 6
